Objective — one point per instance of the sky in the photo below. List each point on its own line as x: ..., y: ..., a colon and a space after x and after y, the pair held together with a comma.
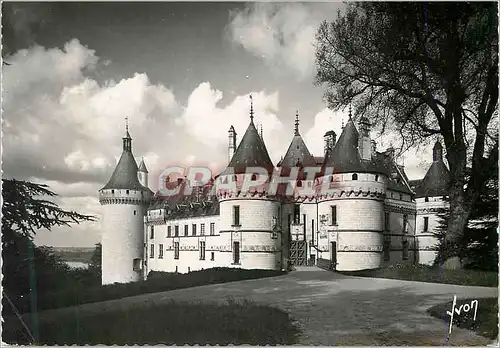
x: 182, y: 74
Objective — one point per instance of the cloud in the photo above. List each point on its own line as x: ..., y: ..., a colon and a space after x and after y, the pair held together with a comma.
x: 61, y: 125
x: 324, y: 121
x: 281, y: 34
x: 208, y: 123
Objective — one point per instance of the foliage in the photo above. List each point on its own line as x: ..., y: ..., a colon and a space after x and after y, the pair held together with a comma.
x: 423, y: 273
x: 429, y: 69
x: 89, y: 291
x: 171, y: 323
x: 478, y: 247
x: 95, y: 263
x: 30, y: 271
x: 486, y: 322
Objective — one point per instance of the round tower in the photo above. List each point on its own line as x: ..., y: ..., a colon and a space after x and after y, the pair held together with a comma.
x: 431, y: 200
x: 124, y: 201
x: 351, y: 207
x: 250, y: 219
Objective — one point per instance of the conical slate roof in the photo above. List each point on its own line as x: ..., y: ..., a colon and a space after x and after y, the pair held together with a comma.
x: 251, y: 152
x: 297, y: 154
x: 437, y: 179
x: 345, y: 156
x: 125, y: 174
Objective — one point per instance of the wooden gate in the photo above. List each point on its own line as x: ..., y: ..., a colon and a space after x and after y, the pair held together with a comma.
x: 298, y: 253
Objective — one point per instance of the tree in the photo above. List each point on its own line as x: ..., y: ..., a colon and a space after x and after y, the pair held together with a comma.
x: 478, y: 248
x: 427, y: 69
x: 96, y: 260
x: 23, y: 213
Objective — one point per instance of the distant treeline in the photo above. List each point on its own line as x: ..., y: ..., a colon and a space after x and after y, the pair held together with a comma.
x: 74, y: 254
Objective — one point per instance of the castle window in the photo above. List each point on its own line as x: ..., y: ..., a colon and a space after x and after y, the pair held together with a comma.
x: 387, y: 221
x: 426, y: 199
x: 236, y: 215
x: 176, y: 252
x: 135, y: 212
x: 113, y: 192
x: 334, y: 215
x: 235, y: 177
x: 236, y: 252
x: 152, y: 233
x: 376, y: 177
x: 186, y: 230
x: 128, y: 192
x: 160, y: 251
x: 176, y: 230
x: 401, y: 196
x: 299, y: 183
x: 331, y: 179
x: 405, y: 250
x: 194, y: 229
x: 254, y: 177
x: 212, y: 228
x: 202, y: 250
x: 152, y: 252
x: 426, y: 224
x: 387, y: 249
x: 355, y: 177
x: 296, y: 214
x: 405, y: 223
x: 136, y: 264
x: 212, y: 256
x: 169, y: 231
x: 202, y: 229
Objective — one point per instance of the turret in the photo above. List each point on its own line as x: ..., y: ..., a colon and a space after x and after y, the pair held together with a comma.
x: 241, y: 232
x: 124, y: 200
x: 142, y: 173
x: 437, y: 152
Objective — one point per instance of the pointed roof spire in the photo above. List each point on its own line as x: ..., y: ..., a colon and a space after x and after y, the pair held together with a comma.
x: 342, y: 118
x: 350, y: 112
x: 251, y: 109
x: 142, y: 166
x: 296, y: 122
x: 127, y: 134
x: 261, y: 131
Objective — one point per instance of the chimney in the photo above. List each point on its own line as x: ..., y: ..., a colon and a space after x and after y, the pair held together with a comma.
x: 437, y: 152
x: 364, y: 143
x: 232, y: 143
x: 329, y: 139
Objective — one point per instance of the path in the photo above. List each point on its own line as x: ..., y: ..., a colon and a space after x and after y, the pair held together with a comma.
x: 334, y: 309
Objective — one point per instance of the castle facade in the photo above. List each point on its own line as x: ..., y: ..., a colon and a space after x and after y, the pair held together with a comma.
x: 371, y: 215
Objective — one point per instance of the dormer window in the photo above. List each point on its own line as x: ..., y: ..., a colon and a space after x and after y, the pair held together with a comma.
x: 376, y: 177
x: 426, y: 199
x: 355, y: 177
x: 113, y: 192
x: 127, y: 192
x: 299, y: 183
x: 254, y: 177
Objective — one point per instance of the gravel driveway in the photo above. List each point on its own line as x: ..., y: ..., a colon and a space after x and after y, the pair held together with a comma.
x: 334, y: 309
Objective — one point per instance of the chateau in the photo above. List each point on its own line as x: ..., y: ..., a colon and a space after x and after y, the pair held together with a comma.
x: 370, y: 216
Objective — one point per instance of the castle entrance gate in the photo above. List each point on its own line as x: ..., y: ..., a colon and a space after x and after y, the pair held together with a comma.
x: 298, y: 252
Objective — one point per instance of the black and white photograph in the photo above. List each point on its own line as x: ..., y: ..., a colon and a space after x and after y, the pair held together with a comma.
x: 250, y: 173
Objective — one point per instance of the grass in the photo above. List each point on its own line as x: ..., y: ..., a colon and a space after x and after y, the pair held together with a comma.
x: 171, y: 323
x: 486, y: 323
x: 76, y: 293
x: 423, y: 273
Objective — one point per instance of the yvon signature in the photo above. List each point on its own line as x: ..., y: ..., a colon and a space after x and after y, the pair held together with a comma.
x: 464, y: 308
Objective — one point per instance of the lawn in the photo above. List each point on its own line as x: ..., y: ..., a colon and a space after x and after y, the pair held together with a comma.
x: 486, y: 323
x: 422, y: 273
x: 78, y: 292
x: 172, y: 323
